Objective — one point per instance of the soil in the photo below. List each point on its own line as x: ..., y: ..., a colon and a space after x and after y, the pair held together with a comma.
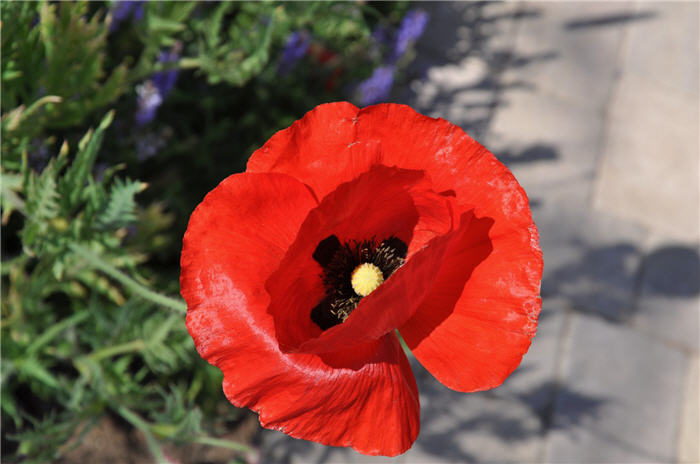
x: 109, y: 442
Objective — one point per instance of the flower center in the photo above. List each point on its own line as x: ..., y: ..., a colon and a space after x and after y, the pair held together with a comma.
x: 352, y: 271
x: 366, y: 278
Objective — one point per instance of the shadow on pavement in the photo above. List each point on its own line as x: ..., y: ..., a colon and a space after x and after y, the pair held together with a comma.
x: 480, y: 35
x: 610, y: 20
x: 537, y: 152
x: 672, y: 270
x: 609, y: 280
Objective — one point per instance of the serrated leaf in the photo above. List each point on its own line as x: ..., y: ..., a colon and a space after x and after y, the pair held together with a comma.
x: 159, y: 24
x: 55, y: 330
x: 32, y: 368
x: 42, y: 196
x: 75, y: 178
x: 10, y: 185
x: 121, y: 206
x: 8, y: 405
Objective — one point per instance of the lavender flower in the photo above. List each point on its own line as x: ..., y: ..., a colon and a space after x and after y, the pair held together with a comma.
x: 149, y: 99
x: 378, y: 86
x: 411, y: 29
x: 165, y: 80
x: 381, y: 34
x: 294, y: 50
x: 123, y: 9
x: 152, y: 92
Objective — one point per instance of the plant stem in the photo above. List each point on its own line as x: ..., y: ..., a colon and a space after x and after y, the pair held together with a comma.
x: 134, y: 345
x: 56, y: 329
x: 135, y: 420
x: 405, y: 347
x: 146, y: 293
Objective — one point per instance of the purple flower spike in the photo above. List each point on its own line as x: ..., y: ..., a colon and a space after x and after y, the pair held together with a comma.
x: 380, y: 34
x: 165, y: 80
x: 152, y: 92
x: 149, y: 99
x: 377, y: 87
x: 411, y: 29
x: 123, y: 9
x: 138, y: 12
x: 296, y: 47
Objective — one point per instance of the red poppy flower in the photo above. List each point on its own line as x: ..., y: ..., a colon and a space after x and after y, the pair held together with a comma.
x: 346, y: 226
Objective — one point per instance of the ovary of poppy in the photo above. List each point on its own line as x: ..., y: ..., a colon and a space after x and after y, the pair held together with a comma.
x: 270, y: 254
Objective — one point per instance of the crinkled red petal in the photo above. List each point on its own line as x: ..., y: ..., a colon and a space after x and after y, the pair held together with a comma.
x: 499, y: 297
x: 372, y: 407
x: 474, y: 326
x: 322, y: 147
x: 365, y: 398
x: 380, y: 203
x: 470, y: 339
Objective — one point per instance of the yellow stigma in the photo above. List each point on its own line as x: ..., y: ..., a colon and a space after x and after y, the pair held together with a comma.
x: 366, y: 278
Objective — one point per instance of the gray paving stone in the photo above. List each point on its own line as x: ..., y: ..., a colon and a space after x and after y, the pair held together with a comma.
x: 590, y: 259
x: 665, y: 48
x: 279, y: 448
x: 649, y: 170
x: 688, y: 443
x: 533, y: 382
x: 669, y: 303
x: 621, y: 397
x: 551, y: 146
x: 473, y: 427
x: 456, y: 73
x: 581, y: 45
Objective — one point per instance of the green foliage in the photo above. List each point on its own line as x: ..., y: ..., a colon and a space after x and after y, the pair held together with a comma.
x: 233, y: 41
x: 61, y: 56
x: 71, y: 335
x: 121, y: 206
x: 90, y: 253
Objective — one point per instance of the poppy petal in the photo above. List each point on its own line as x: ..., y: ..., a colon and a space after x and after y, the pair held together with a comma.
x: 365, y: 398
x: 472, y: 329
x: 315, y: 150
x: 239, y: 234
x: 380, y: 203
x: 476, y: 323
x: 501, y: 296
x: 373, y: 408
x: 453, y: 160
x: 321, y: 147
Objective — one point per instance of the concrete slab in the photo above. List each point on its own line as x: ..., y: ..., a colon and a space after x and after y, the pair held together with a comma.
x: 582, y: 41
x: 590, y: 259
x: 621, y: 397
x: 551, y: 146
x: 688, y: 444
x: 669, y: 301
x: 472, y: 427
x: 534, y: 381
x: 665, y: 48
x: 456, y: 72
x: 649, y: 170
x: 278, y: 448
